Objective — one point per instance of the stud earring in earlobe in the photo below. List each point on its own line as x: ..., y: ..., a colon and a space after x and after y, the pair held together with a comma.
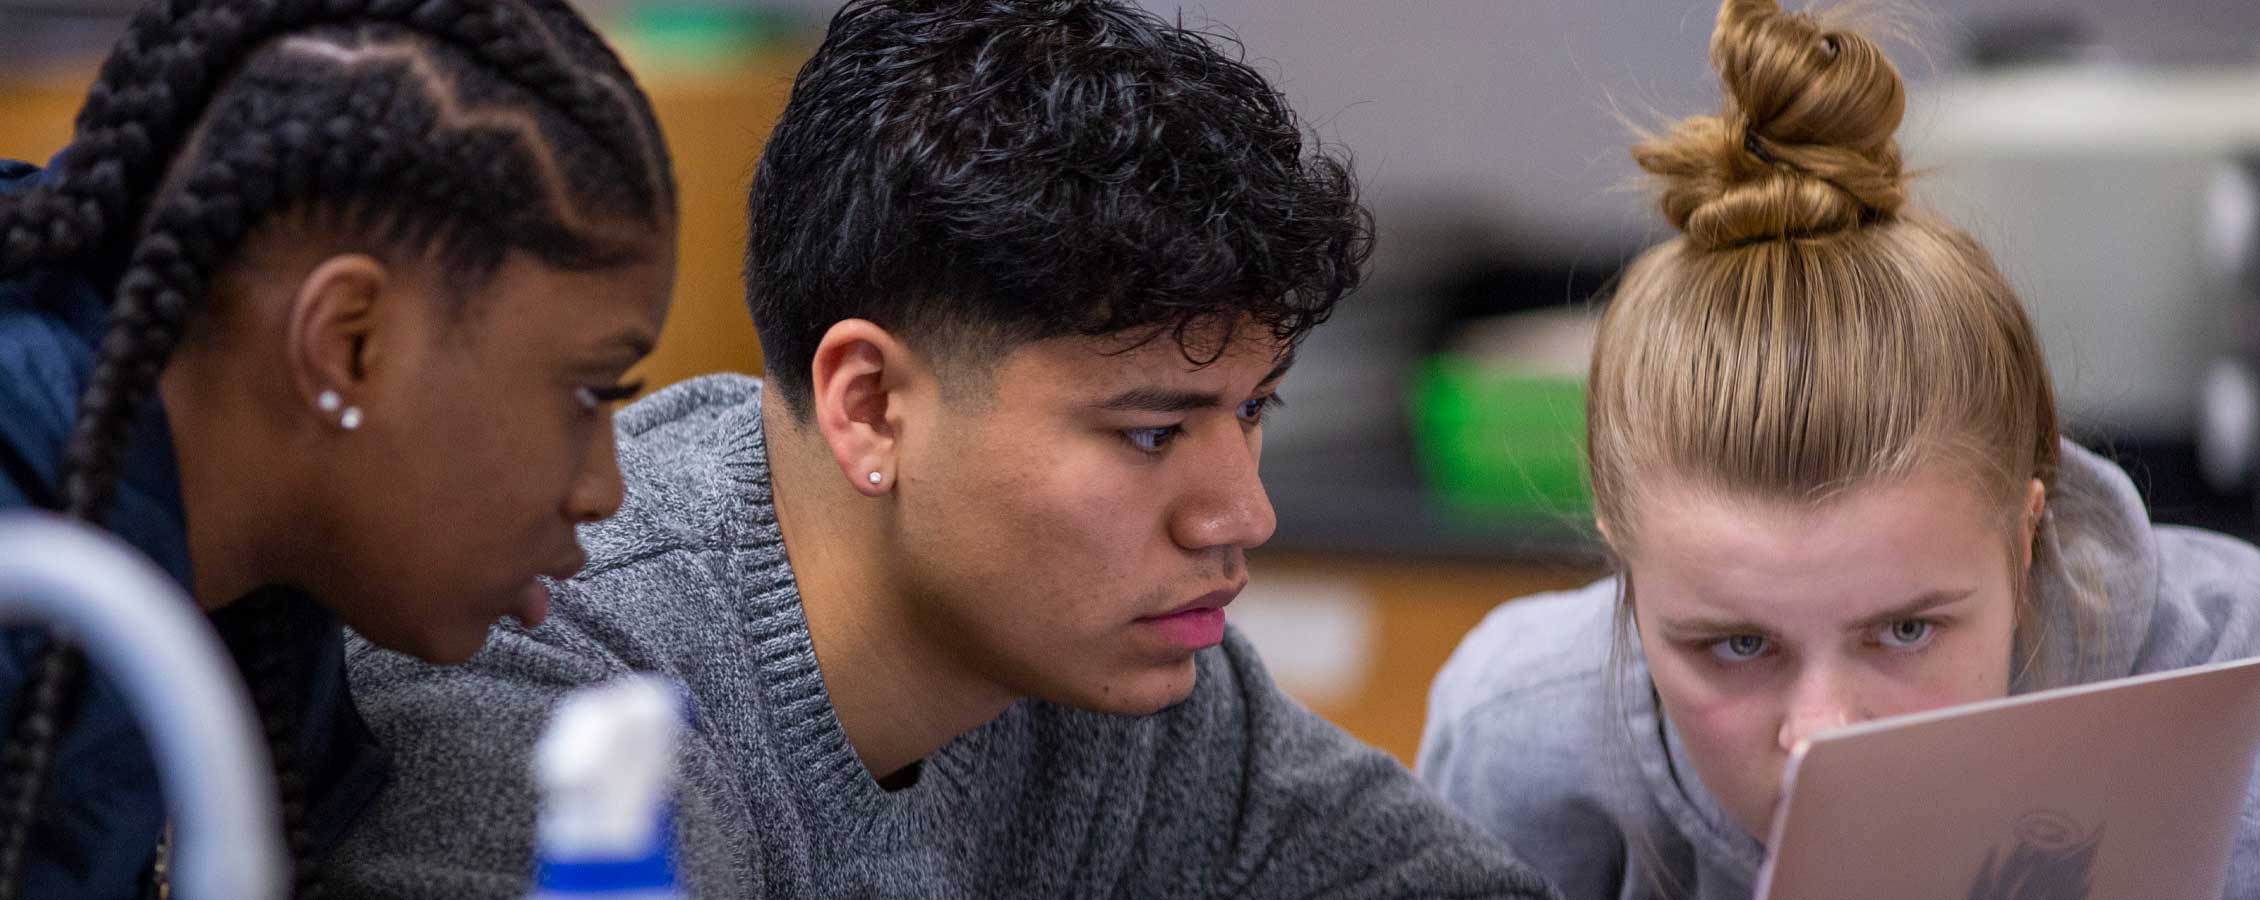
x: 875, y: 478
x: 348, y: 417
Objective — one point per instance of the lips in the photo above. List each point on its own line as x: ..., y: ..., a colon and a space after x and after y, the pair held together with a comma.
x: 1195, y: 625
x: 534, y: 599
x: 1213, y: 600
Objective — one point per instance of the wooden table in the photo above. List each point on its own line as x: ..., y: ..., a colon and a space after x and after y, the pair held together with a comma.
x: 1359, y: 639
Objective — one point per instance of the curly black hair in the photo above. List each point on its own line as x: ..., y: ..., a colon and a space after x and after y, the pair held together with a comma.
x: 976, y: 174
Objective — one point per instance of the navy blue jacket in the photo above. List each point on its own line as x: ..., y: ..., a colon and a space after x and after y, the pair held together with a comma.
x: 97, y: 829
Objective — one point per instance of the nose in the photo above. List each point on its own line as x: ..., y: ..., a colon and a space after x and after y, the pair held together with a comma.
x: 1822, y: 699
x: 597, y: 490
x: 1225, y: 505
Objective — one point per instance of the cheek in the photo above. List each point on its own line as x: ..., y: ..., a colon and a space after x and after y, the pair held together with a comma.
x: 494, y: 472
x: 1968, y: 662
x: 1729, y: 727
x: 1076, y: 500
x: 1967, y: 666
x: 1732, y: 740
x: 1721, y: 717
x: 1994, y: 646
x: 976, y: 521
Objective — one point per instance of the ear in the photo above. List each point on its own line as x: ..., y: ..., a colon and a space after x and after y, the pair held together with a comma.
x: 327, y: 336
x: 859, y: 381
x: 2036, y: 505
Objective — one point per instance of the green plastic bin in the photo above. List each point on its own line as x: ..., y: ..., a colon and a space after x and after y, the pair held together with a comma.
x: 1494, y: 440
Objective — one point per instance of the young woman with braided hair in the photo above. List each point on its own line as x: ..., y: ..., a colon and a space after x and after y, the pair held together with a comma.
x: 323, y: 308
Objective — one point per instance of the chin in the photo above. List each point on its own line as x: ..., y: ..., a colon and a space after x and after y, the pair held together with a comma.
x: 453, y: 654
x: 1142, y: 692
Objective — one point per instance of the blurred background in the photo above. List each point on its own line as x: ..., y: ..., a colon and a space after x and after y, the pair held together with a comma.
x: 1425, y: 467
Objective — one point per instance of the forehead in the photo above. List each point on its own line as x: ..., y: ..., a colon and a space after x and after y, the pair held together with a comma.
x: 1876, y: 546
x: 531, y: 298
x: 1077, y: 366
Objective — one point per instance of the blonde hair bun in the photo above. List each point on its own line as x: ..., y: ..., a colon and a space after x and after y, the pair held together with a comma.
x: 1806, y: 146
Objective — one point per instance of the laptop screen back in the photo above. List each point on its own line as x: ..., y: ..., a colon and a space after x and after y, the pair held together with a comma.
x: 2122, y: 789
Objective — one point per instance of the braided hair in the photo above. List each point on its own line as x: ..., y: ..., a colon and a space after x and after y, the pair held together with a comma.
x: 461, y: 130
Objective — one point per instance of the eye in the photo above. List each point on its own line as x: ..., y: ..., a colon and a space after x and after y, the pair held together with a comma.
x: 1252, y: 411
x: 1908, y: 634
x: 1152, y: 440
x: 1739, y: 648
x: 593, y: 398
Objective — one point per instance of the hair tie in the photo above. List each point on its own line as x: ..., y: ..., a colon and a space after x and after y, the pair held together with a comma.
x: 1750, y: 145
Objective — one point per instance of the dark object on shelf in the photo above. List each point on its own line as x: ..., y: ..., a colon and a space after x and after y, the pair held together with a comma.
x: 2019, y: 39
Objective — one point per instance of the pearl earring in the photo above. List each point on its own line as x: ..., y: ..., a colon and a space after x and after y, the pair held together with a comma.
x: 875, y: 478
x: 330, y: 402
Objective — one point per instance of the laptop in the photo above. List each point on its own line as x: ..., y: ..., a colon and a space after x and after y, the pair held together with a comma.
x: 2119, y: 790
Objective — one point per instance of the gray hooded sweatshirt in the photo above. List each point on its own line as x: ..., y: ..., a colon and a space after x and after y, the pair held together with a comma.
x: 1237, y: 792
x: 1520, y: 735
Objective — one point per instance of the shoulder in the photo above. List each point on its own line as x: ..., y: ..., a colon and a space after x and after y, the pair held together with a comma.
x: 2207, y: 600
x: 689, y: 408
x: 44, y: 359
x: 685, y: 447
x: 1524, y: 698
x: 1520, y: 737
x: 1530, y: 650
x: 51, y: 320
x: 692, y: 456
x: 2207, y: 562
x: 2157, y: 596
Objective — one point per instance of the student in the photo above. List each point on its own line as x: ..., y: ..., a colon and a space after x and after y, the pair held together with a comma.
x: 947, y: 591
x: 321, y: 309
x: 1824, y: 449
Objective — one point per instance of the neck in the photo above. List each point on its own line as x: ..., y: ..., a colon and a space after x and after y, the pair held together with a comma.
x: 900, y: 693
x: 230, y: 519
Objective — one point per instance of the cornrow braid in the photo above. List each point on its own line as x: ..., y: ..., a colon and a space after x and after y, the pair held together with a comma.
x: 279, y: 689
x: 460, y: 129
x: 157, y: 80
x: 48, y: 700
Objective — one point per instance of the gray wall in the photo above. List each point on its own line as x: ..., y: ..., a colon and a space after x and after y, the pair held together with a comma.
x: 1501, y: 128
x: 1511, y: 112
x: 1500, y: 117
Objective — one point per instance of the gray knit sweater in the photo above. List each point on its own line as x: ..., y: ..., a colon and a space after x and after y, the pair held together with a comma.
x: 1238, y: 792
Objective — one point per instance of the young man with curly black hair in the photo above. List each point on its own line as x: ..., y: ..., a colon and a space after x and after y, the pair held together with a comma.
x: 947, y: 591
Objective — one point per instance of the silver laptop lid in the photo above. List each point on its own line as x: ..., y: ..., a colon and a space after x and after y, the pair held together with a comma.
x: 2120, y: 789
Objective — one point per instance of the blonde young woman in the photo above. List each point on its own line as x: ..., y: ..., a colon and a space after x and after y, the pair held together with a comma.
x: 1824, y: 450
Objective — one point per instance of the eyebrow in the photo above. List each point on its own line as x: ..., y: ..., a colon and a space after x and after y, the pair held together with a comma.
x: 1926, y: 602
x: 1706, y: 627
x: 1154, y: 398
x: 1914, y: 608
